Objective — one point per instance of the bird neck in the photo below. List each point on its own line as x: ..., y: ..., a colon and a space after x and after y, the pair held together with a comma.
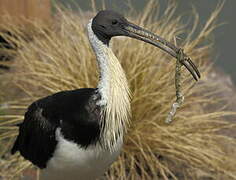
x: 114, y: 91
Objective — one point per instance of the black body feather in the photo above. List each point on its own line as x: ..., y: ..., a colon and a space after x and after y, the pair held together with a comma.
x: 75, y: 112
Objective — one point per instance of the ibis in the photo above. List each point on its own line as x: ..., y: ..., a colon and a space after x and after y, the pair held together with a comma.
x: 78, y: 134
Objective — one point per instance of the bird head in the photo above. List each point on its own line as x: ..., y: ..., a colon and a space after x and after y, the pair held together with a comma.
x: 107, y: 24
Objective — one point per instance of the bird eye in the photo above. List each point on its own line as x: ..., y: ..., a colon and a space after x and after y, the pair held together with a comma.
x: 103, y: 26
x: 114, y: 22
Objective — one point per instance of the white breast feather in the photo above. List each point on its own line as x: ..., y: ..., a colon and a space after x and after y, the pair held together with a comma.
x: 72, y: 162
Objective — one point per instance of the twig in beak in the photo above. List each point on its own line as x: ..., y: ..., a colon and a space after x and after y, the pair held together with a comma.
x: 179, y: 97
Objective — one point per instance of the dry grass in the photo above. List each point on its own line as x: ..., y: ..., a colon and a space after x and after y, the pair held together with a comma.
x: 192, y: 147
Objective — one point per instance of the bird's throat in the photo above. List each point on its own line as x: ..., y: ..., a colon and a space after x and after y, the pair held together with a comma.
x: 114, y: 91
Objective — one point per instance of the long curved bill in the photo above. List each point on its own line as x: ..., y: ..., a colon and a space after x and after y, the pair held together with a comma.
x: 137, y: 32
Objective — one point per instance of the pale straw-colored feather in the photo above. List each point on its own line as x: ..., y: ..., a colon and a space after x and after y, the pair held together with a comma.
x: 117, y: 110
x: 114, y: 91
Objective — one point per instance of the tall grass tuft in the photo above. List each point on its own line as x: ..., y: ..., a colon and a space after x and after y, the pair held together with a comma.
x: 60, y: 58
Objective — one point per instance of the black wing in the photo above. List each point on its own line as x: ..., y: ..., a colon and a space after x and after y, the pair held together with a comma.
x: 36, y: 140
x: 75, y: 112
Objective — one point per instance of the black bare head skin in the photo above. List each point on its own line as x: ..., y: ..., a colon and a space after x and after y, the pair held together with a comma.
x: 107, y: 24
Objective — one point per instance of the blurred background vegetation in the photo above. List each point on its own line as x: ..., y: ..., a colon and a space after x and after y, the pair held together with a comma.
x: 224, y: 36
x: 199, y: 144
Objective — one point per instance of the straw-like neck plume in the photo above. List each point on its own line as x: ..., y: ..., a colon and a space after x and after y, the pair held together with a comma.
x: 114, y: 91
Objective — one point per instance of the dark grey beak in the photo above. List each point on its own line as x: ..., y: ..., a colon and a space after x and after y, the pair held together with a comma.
x: 137, y: 32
